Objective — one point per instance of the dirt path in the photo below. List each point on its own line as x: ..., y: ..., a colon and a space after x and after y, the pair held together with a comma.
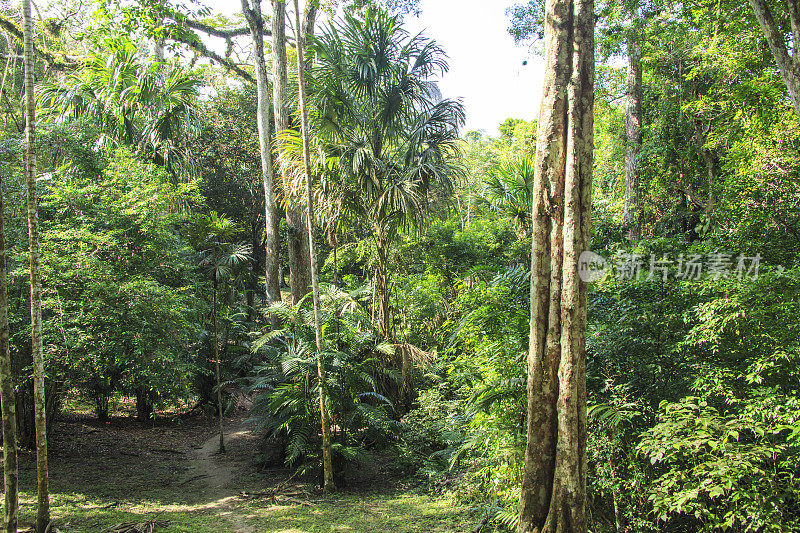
x: 219, y: 474
x: 123, y: 472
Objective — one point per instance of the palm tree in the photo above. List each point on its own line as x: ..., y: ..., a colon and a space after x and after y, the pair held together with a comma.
x: 220, y: 258
x: 150, y: 106
x: 43, y: 492
x: 387, y: 135
x: 327, y: 461
x: 354, y: 383
x: 509, y: 191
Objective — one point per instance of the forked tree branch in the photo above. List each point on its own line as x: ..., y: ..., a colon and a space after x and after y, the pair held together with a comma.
x: 54, y: 62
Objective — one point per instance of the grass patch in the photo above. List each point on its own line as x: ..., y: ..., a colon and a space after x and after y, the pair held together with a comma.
x: 74, y: 512
x: 360, y: 512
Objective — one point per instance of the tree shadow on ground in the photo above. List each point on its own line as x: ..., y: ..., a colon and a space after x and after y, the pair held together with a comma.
x: 103, y: 474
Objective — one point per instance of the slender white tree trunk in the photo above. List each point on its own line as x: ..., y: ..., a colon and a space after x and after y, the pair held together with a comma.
x: 297, y: 241
x: 255, y: 21
x: 43, y: 494
x: 631, y: 216
x: 327, y: 462
x: 216, y: 370
x: 7, y: 400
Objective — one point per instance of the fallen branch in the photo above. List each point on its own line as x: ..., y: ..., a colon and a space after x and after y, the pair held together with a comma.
x: 270, y: 492
x: 293, y: 500
x: 107, y: 506
x: 129, y: 453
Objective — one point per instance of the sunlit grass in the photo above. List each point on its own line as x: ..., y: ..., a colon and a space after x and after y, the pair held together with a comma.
x: 361, y: 512
x: 76, y: 512
x: 401, y: 512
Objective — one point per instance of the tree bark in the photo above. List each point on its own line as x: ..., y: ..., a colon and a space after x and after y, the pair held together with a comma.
x: 794, y: 20
x: 159, y: 42
x: 216, y: 369
x: 158, y: 49
x: 711, y: 176
x: 101, y: 405
x: 43, y: 493
x: 631, y: 215
x: 309, y: 18
x: 701, y: 138
x: 144, y: 404
x: 789, y: 65
x: 299, y: 267
x: 553, y: 495
x: 255, y: 21
x: 24, y: 398
x: 7, y: 403
x: 327, y: 462
x: 382, y: 288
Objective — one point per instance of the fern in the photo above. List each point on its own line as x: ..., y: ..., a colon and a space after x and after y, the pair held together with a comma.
x: 287, y: 384
x: 508, y: 518
x: 508, y: 389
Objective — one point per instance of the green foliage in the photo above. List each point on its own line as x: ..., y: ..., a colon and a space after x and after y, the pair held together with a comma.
x: 718, y: 473
x: 357, y: 377
x: 692, y: 384
x: 227, y: 155
x: 434, y: 430
x: 482, y: 397
x: 376, y: 116
x: 119, y: 303
x: 509, y: 190
x: 147, y: 106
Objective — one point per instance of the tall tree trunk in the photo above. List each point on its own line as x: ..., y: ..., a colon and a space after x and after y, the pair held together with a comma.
x: 789, y: 65
x: 43, y: 493
x: 631, y: 217
x: 158, y: 41
x: 310, y: 17
x: 382, y: 288
x: 327, y: 462
x: 255, y: 269
x: 333, y: 242
x: 216, y: 369
x: 255, y: 21
x: 11, y: 508
x: 701, y: 138
x: 158, y: 49
x: 299, y: 267
x: 553, y: 495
